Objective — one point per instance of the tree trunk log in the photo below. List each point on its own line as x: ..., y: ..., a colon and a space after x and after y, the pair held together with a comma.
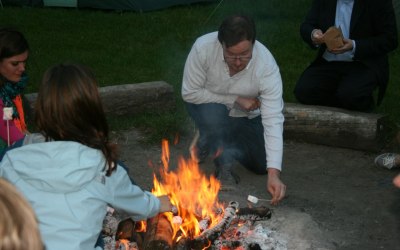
x: 130, y: 99
x: 335, y: 127
x: 158, y: 233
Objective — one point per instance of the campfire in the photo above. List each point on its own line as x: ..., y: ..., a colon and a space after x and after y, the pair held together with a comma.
x: 198, y: 220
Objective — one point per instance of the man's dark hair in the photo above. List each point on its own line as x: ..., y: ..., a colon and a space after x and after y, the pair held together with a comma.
x: 235, y: 29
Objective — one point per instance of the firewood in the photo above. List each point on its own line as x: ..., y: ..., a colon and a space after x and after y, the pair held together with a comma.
x: 183, y: 244
x: 210, y: 234
x: 254, y: 213
x: 126, y: 230
x: 159, y: 233
x: 204, y: 223
x: 200, y: 243
x: 228, y: 244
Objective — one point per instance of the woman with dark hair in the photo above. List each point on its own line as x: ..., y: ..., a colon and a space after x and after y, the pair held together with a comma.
x: 69, y: 172
x: 14, y: 51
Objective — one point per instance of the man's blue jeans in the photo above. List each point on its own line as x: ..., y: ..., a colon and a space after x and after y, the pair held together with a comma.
x: 238, y: 138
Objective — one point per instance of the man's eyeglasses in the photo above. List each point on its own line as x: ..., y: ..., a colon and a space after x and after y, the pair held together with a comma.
x: 240, y: 58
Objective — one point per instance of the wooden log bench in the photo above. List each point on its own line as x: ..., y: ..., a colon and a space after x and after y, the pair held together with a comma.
x: 335, y: 127
x: 307, y: 123
x: 130, y: 99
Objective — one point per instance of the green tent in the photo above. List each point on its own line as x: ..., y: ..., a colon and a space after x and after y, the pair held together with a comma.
x: 135, y: 5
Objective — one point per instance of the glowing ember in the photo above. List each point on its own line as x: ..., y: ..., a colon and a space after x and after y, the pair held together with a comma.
x: 192, y: 192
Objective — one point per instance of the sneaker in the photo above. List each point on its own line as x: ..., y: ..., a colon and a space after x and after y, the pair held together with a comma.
x: 387, y: 160
x: 227, y: 178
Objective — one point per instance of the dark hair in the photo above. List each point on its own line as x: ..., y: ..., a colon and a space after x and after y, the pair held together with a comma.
x: 235, y: 29
x: 69, y: 108
x: 12, y: 43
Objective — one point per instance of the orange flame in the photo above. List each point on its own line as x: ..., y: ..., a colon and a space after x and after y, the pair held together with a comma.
x: 192, y: 192
x: 140, y: 226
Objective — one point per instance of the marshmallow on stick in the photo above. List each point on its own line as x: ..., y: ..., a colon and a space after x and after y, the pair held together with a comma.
x: 254, y: 199
x: 7, y: 113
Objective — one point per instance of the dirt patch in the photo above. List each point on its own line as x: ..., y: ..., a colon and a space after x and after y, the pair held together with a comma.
x: 336, y: 198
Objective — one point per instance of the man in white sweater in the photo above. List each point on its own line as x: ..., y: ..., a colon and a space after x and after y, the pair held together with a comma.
x: 232, y: 89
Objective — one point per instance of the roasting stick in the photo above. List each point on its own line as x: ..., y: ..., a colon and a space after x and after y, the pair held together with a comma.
x: 192, y: 147
x: 8, y: 133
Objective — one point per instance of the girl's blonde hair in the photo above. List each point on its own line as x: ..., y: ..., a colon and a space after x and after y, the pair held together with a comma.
x: 18, y: 224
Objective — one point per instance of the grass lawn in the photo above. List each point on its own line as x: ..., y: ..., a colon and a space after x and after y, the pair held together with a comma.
x: 132, y: 47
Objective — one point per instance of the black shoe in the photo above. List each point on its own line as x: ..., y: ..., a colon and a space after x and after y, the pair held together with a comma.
x: 227, y: 177
x: 199, y: 154
x: 202, y: 154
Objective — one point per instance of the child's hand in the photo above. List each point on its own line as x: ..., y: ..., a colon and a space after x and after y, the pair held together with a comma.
x: 165, y: 204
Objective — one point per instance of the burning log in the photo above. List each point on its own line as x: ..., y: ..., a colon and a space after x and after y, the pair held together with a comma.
x: 127, y: 235
x: 254, y: 213
x: 228, y: 244
x: 229, y: 214
x: 209, y: 235
x: 125, y: 230
x: 183, y: 244
x: 200, y: 243
x: 159, y: 233
x: 204, y: 223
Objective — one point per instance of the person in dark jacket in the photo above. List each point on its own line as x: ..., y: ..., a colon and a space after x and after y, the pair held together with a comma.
x: 347, y: 76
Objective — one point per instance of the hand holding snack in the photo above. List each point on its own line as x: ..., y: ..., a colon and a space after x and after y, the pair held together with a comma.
x: 347, y: 46
x: 333, y: 38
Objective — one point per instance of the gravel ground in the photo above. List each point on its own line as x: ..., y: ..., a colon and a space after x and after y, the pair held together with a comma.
x: 336, y: 198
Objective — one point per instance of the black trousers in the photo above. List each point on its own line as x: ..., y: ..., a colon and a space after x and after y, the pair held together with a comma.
x: 230, y: 138
x: 348, y: 85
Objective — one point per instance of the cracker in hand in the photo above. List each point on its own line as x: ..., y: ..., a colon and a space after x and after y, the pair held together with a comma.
x: 333, y: 38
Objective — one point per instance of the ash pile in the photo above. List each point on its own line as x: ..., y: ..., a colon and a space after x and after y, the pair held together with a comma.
x: 239, y: 228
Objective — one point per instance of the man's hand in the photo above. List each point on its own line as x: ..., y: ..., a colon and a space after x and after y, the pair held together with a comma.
x: 347, y: 46
x: 248, y: 103
x: 275, y: 186
x: 317, y: 37
x: 396, y: 181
